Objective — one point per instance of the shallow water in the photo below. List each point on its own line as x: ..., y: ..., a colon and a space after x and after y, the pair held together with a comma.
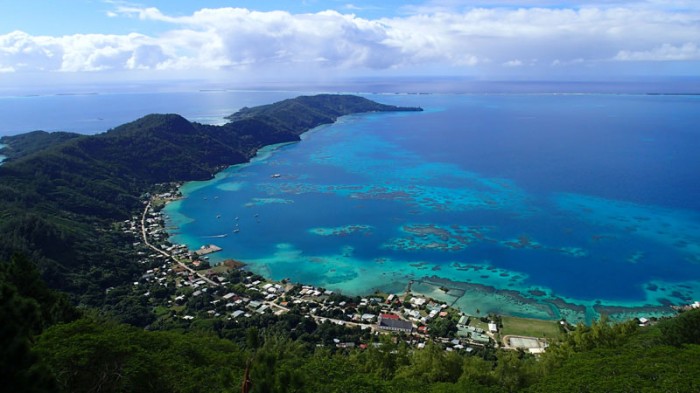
x: 544, y: 206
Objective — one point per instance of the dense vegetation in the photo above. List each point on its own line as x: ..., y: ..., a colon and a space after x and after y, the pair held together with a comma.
x: 60, y: 193
x: 31, y: 142
x: 47, y: 346
x: 306, y: 112
x: 27, y: 307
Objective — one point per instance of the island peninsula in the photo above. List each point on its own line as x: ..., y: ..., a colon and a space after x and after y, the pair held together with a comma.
x: 61, y: 193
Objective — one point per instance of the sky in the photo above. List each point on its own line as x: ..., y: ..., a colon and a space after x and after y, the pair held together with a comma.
x: 50, y: 41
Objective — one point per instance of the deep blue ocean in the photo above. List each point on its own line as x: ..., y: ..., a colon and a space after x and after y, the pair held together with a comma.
x: 537, y: 205
x: 540, y: 205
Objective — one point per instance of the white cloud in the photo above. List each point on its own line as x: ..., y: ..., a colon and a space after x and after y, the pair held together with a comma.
x: 79, y: 52
x: 150, y: 13
x: 560, y: 63
x: 431, y: 6
x: 472, y: 38
x: 666, y: 52
x: 234, y: 36
x: 20, y: 51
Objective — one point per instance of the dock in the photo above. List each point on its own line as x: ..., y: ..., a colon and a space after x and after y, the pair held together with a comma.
x: 208, y: 249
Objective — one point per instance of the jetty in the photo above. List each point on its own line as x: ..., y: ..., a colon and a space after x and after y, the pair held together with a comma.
x: 208, y: 249
x: 166, y: 254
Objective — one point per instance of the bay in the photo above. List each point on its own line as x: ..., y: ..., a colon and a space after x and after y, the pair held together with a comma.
x: 532, y: 204
x: 539, y: 205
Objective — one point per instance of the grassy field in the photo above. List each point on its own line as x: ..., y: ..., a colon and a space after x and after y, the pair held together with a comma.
x: 530, y: 327
x: 477, y: 323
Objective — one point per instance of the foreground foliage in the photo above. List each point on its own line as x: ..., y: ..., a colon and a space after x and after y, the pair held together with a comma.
x: 47, y: 346
x: 89, y: 355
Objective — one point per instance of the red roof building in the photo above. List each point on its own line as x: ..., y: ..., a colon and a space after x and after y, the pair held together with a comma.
x: 392, y: 322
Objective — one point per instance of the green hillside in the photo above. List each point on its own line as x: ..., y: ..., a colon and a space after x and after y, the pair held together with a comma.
x: 60, y: 193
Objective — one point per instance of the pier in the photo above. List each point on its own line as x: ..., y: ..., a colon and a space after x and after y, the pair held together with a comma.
x: 166, y: 254
x: 208, y: 249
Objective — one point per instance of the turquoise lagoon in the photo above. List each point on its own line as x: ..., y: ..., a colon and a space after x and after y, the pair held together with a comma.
x: 537, y: 205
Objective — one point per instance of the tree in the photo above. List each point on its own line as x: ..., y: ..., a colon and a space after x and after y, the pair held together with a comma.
x: 432, y: 364
x: 20, y: 370
x: 511, y: 371
x: 476, y: 369
x: 92, y: 355
x: 684, y: 329
x: 27, y: 307
x: 442, y: 327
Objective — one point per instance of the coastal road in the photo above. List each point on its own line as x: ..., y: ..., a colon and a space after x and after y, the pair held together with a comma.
x: 321, y: 319
x: 163, y: 252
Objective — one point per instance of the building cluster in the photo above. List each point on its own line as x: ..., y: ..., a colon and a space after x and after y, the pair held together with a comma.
x: 206, y: 293
x: 377, y: 314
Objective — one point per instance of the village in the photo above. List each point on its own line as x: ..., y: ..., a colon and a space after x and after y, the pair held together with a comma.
x: 181, y: 284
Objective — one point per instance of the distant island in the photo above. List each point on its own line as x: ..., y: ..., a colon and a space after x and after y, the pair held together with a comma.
x: 60, y: 192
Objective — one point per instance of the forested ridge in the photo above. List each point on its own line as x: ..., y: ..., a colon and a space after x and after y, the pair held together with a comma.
x: 30, y: 142
x: 60, y: 196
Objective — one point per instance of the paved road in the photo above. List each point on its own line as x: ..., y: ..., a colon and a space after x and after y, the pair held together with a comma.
x: 163, y: 252
x: 321, y: 319
x: 345, y: 323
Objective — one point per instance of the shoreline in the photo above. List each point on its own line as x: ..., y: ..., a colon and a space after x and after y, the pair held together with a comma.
x: 245, y: 296
x: 535, y: 304
x: 532, y: 302
x: 555, y: 308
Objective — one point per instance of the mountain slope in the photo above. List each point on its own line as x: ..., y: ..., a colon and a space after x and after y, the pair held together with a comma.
x: 60, y: 192
x: 31, y: 142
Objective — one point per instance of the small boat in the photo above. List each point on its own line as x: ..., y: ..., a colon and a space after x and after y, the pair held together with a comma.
x: 236, y: 230
x: 216, y: 236
x: 276, y: 176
